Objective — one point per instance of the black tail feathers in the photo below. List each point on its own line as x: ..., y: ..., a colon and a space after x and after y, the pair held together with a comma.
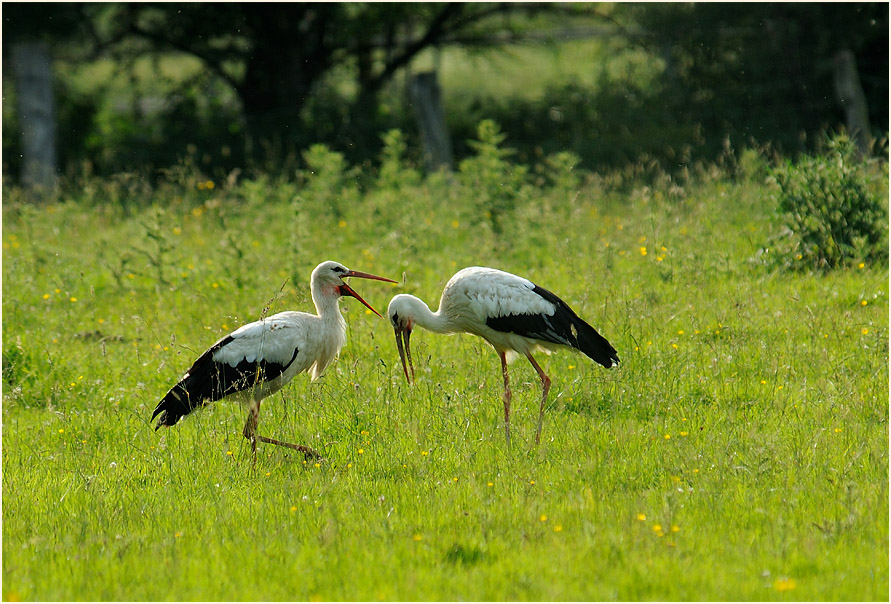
x: 595, y: 345
x: 198, y: 386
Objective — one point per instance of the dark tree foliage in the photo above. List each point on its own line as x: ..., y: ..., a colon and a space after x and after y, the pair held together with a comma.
x: 764, y: 71
x: 46, y: 21
x: 748, y: 72
x: 275, y: 55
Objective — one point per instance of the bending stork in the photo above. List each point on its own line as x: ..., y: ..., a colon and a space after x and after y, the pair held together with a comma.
x: 511, y: 313
x: 259, y: 358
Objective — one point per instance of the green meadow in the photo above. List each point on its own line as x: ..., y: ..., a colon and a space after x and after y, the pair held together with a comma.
x: 739, y: 452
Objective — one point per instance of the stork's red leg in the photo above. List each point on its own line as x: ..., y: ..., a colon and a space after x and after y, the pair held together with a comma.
x: 307, y: 452
x: 250, y: 425
x: 545, y: 387
x: 250, y: 433
x: 501, y: 355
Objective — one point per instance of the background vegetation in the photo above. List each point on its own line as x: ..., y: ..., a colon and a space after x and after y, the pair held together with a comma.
x: 141, y: 87
x: 735, y: 256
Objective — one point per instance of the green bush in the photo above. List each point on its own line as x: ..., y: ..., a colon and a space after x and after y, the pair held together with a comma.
x: 328, y: 183
x: 395, y: 171
x: 826, y: 203
x: 496, y: 182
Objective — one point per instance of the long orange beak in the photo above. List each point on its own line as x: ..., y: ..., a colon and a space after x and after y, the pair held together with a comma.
x: 405, y: 351
x: 346, y: 290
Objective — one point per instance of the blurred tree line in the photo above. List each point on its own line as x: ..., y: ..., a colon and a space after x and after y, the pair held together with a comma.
x: 748, y: 73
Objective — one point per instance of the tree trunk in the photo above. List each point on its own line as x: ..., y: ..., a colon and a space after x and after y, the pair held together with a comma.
x: 427, y: 104
x: 289, y: 56
x: 32, y: 67
x: 850, y: 95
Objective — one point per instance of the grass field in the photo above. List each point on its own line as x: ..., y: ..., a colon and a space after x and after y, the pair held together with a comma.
x: 739, y: 452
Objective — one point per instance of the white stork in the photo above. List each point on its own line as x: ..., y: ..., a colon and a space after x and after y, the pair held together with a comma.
x: 257, y: 359
x: 511, y: 313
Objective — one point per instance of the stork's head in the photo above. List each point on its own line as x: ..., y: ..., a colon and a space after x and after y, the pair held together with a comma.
x: 401, y: 314
x: 328, y: 280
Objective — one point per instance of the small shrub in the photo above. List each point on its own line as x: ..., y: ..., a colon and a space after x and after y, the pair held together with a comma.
x: 496, y: 182
x: 562, y: 171
x: 329, y: 185
x: 394, y: 170
x: 826, y: 204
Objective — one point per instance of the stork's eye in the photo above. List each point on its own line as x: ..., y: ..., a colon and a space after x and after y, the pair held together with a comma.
x: 339, y: 269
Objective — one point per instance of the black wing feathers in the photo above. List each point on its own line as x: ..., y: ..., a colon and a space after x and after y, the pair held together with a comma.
x: 563, y: 327
x: 208, y: 380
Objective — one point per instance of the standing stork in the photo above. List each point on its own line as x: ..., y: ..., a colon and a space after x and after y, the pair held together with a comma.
x: 259, y: 358
x: 511, y: 313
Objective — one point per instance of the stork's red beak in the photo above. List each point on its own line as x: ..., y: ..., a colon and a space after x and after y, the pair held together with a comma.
x: 404, y: 334
x: 346, y: 290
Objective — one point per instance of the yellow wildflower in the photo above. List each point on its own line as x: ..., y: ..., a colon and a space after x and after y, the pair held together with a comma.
x: 784, y: 584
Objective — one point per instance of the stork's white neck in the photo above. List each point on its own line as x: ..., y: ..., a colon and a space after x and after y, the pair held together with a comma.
x: 421, y: 314
x: 326, y: 298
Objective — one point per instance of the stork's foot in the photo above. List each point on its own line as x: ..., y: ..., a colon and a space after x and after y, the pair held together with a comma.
x: 308, y: 454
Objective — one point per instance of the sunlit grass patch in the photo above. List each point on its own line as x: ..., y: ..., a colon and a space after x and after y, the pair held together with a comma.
x: 738, y: 452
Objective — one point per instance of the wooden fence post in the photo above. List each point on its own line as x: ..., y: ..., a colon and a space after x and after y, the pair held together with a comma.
x: 851, y: 97
x: 426, y: 100
x: 32, y: 66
